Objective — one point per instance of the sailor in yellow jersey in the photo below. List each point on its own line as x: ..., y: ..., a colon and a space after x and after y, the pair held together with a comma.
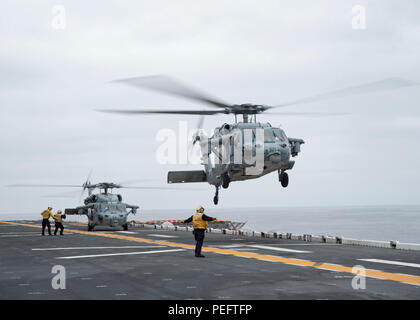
x: 58, y: 218
x: 46, y: 214
x: 200, y: 223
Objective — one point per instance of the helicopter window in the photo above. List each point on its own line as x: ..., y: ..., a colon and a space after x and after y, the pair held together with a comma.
x: 104, y: 208
x: 120, y: 208
x: 268, y: 135
x: 279, y: 135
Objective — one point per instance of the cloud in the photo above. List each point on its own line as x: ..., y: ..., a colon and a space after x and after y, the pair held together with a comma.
x: 267, y: 52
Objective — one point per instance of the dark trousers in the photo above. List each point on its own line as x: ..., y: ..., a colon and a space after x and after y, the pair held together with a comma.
x: 199, y: 238
x: 46, y: 223
x: 58, y: 225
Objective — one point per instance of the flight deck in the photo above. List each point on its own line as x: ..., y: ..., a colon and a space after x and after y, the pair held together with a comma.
x: 148, y: 263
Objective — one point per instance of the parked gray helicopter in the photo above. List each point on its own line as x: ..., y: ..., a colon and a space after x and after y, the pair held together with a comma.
x: 102, y: 209
x: 220, y: 151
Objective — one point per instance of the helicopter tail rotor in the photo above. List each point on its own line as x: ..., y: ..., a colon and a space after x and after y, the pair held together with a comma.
x: 86, y: 186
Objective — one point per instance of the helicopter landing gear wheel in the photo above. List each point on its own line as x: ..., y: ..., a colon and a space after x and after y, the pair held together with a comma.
x: 90, y: 227
x: 216, y: 196
x: 284, y: 179
x: 225, y: 181
x: 125, y: 227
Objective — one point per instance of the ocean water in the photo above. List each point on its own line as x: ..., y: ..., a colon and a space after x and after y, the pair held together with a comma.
x: 400, y: 223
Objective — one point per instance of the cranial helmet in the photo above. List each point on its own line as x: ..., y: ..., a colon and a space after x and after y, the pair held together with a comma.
x: 200, y: 209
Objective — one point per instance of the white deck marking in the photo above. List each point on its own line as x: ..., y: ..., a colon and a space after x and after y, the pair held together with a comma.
x: 398, y: 263
x: 304, y: 244
x: 128, y: 232
x: 88, y: 248
x: 279, y: 249
x: 119, y: 254
x: 229, y: 246
x: 18, y: 233
x: 162, y: 235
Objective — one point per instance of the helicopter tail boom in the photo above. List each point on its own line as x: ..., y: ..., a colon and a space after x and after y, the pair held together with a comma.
x: 71, y: 211
x: 187, y: 176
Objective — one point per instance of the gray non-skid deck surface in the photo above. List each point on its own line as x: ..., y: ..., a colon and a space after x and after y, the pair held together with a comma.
x: 167, y: 274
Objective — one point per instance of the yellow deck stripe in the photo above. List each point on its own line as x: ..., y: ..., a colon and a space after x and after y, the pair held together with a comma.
x: 410, y: 279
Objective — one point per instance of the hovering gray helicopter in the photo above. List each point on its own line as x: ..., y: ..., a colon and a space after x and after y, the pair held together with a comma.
x: 221, y: 151
x: 103, y: 208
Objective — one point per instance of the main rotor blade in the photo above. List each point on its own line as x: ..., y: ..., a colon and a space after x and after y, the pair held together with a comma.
x: 81, y: 194
x: 149, y: 188
x: 309, y: 114
x: 202, y: 112
x: 387, y: 84
x: 173, y: 87
x: 200, y: 123
x: 46, y: 185
x: 164, y: 188
x: 70, y: 194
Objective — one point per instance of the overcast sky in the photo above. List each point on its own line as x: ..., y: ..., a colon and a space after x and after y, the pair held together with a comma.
x: 266, y: 52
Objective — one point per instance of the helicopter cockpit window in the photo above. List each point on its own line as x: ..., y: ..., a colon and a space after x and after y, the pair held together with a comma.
x: 120, y: 207
x: 103, y: 208
x: 279, y: 135
x: 268, y: 135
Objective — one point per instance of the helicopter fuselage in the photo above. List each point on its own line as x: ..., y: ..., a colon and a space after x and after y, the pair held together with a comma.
x: 105, y: 209
x: 243, y: 151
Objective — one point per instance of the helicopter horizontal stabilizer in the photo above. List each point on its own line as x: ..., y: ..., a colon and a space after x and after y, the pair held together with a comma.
x: 187, y: 176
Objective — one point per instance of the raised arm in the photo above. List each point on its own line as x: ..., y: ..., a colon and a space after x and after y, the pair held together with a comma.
x: 207, y: 218
x: 190, y: 219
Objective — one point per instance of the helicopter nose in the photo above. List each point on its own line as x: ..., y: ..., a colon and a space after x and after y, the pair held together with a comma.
x: 280, y: 154
x: 112, y: 217
x: 275, y: 158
